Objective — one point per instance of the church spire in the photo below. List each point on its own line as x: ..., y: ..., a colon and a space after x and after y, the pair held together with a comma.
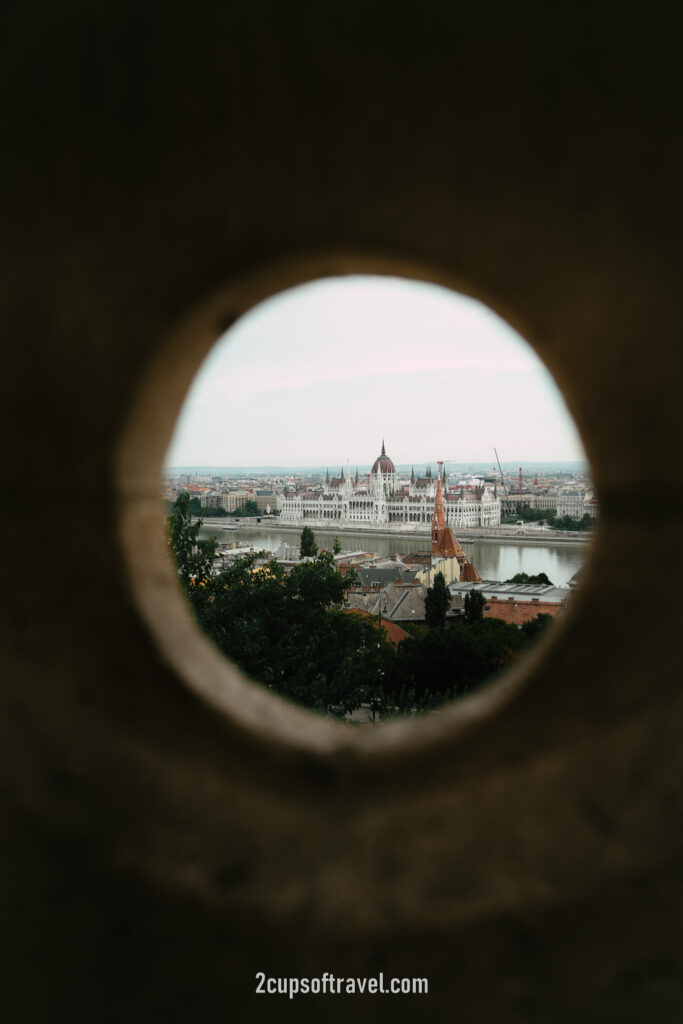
x: 439, y: 517
x: 412, y: 474
x: 444, y: 541
x: 327, y: 476
x: 383, y: 454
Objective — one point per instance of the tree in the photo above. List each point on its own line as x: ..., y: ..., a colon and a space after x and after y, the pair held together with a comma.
x: 443, y: 664
x: 474, y: 606
x: 523, y: 577
x: 309, y: 548
x: 534, y: 629
x: 336, y: 546
x: 437, y: 602
x: 193, y: 557
x: 567, y: 523
x: 285, y: 631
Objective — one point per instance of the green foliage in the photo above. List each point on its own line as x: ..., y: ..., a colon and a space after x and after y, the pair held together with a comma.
x: 195, y: 506
x: 284, y: 631
x: 193, y: 557
x: 535, y: 628
x: 250, y: 509
x: 474, y: 606
x: 450, y: 662
x: 308, y: 548
x: 529, y: 515
x: 533, y: 515
x: 336, y: 546
x: 576, y: 525
x: 288, y: 632
x: 437, y: 602
x: 523, y: 577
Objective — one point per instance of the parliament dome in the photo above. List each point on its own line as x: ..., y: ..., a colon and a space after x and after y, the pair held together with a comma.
x: 383, y: 463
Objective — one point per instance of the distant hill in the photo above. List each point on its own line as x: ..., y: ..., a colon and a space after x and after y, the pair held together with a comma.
x: 539, y: 467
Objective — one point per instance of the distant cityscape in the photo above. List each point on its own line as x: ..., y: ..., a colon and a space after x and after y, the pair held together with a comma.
x: 392, y: 530
x: 363, y: 509
x: 384, y: 494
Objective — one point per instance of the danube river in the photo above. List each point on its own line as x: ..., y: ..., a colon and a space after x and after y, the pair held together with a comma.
x: 494, y: 559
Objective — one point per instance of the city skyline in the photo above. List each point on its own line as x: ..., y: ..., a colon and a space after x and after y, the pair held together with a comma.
x: 319, y: 374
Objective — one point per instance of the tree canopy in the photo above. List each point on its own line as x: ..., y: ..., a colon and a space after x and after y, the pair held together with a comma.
x: 523, y: 577
x: 537, y: 515
x: 449, y: 662
x: 473, y: 604
x: 437, y: 602
x: 290, y: 632
x: 308, y: 548
x: 194, y: 557
x: 536, y: 627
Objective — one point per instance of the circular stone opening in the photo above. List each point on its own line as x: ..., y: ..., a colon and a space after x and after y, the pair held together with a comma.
x: 393, y: 502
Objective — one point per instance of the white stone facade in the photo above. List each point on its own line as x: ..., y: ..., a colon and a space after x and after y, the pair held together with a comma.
x: 570, y: 503
x: 381, y: 498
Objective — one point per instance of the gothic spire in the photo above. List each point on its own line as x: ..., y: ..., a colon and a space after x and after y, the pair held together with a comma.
x: 439, y: 517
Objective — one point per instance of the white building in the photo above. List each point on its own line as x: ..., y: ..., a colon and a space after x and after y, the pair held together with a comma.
x: 379, y: 497
x: 570, y: 503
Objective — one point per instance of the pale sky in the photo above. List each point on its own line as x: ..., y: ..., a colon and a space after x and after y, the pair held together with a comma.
x: 321, y: 373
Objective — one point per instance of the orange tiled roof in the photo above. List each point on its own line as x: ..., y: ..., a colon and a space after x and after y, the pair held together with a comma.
x: 394, y: 633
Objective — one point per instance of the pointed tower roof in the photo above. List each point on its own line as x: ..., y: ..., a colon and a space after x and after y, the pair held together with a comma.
x: 439, y: 517
x: 383, y: 463
x: 412, y: 474
x: 327, y: 476
x: 341, y: 474
x: 356, y: 480
x: 444, y: 541
x: 443, y: 476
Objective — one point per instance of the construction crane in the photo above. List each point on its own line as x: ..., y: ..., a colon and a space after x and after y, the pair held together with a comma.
x: 502, y: 478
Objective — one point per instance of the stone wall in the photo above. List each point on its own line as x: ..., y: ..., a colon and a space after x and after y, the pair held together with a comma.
x: 167, y: 829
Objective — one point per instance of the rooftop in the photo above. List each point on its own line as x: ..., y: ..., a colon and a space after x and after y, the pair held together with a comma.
x: 518, y: 591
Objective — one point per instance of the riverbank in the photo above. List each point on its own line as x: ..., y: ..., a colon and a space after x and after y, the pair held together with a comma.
x: 405, y: 531
x: 498, y: 558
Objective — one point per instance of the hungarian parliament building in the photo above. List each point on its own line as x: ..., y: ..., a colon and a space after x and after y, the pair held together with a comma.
x: 379, y: 497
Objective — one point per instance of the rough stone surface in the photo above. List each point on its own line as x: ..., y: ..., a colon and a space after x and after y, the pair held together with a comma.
x: 166, y: 831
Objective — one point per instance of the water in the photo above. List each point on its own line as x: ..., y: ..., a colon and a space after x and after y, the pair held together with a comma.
x: 494, y: 559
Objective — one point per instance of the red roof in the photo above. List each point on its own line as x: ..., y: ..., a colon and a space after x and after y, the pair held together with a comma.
x: 383, y: 463
x: 394, y: 633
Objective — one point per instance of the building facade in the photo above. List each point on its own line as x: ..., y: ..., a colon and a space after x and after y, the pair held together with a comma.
x: 379, y: 497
